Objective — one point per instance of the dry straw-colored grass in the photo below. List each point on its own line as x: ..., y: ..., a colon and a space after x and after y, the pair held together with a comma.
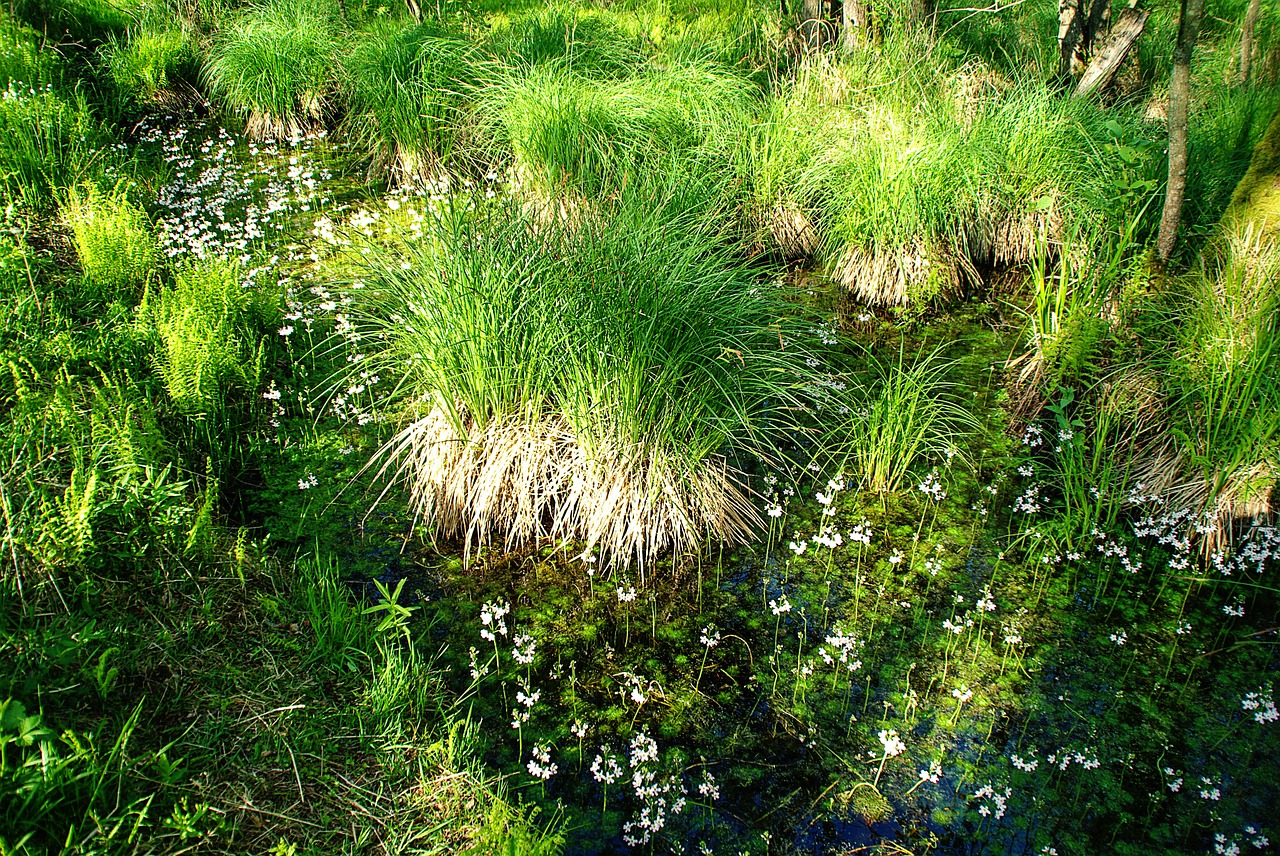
x: 534, y: 481
x: 887, y: 277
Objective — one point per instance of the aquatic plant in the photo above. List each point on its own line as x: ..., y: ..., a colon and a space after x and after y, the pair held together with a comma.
x: 907, y: 413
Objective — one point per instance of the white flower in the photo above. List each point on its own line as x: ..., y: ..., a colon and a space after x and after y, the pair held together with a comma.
x: 893, y: 746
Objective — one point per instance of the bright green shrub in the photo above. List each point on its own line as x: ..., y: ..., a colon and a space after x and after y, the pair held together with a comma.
x: 112, y: 237
x: 274, y: 64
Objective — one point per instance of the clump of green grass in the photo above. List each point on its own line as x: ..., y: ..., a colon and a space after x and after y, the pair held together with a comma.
x: 113, y: 239
x: 22, y: 62
x: 204, y: 324
x: 46, y: 141
x: 930, y: 183
x: 907, y: 414
x: 1220, y: 456
x: 591, y: 137
x: 274, y: 64
x: 605, y: 381
x: 153, y: 62
x: 404, y: 93
x: 586, y: 41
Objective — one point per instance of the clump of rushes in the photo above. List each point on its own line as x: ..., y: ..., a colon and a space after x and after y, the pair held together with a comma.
x: 591, y: 137
x: 46, y: 141
x: 1219, y: 456
x: 274, y: 65
x: 403, y: 88
x: 605, y: 382
x: 574, y: 38
x: 113, y: 240
x: 154, y: 62
x: 918, y: 188
x: 908, y: 414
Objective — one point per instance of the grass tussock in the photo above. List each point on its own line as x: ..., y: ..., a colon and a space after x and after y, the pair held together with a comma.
x: 591, y: 137
x: 113, y: 240
x: 274, y: 65
x: 404, y: 92
x: 920, y: 175
x: 154, y: 64
x: 604, y: 383
x: 907, y: 414
x: 1220, y: 459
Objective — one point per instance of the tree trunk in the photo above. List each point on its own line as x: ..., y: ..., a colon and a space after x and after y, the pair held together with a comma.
x: 813, y: 22
x: 855, y: 16
x: 415, y: 11
x: 1070, y: 30
x: 1106, y: 61
x: 1246, y: 40
x: 1179, y: 105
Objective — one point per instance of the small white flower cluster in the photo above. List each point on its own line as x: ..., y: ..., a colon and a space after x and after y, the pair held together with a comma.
x: 999, y: 800
x: 308, y: 481
x: 478, y: 670
x: 525, y: 649
x: 1209, y: 790
x: 1024, y: 766
x: 1120, y: 637
x: 1029, y: 501
x: 605, y: 767
x: 540, y: 766
x: 658, y: 798
x: 1175, y: 779
x: 893, y: 745
x: 492, y: 620
x: 1032, y: 437
x: 1262, y: 705
x: 932, y: 487
x: 1064, y: 758
x: 780, y: 606
x: 846, y: 645
x: 626, y: 595
x: 962, y: 693
x: 932, y: 775
x: 710, y: 636
x: 707, y: 788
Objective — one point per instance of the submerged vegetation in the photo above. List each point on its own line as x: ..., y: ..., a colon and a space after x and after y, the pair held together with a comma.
x: 576, y: 428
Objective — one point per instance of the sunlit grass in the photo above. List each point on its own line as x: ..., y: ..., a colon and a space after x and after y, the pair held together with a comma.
x: 606, y: 381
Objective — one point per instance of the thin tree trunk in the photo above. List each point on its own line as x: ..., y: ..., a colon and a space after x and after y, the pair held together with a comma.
x: 414, y: 10
x: 1106, y: 61
x: 1246, y: 40
x: 1070, y: 30
x: 853, y: 24
x: 1179, y: 106
x: 812, y: 20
